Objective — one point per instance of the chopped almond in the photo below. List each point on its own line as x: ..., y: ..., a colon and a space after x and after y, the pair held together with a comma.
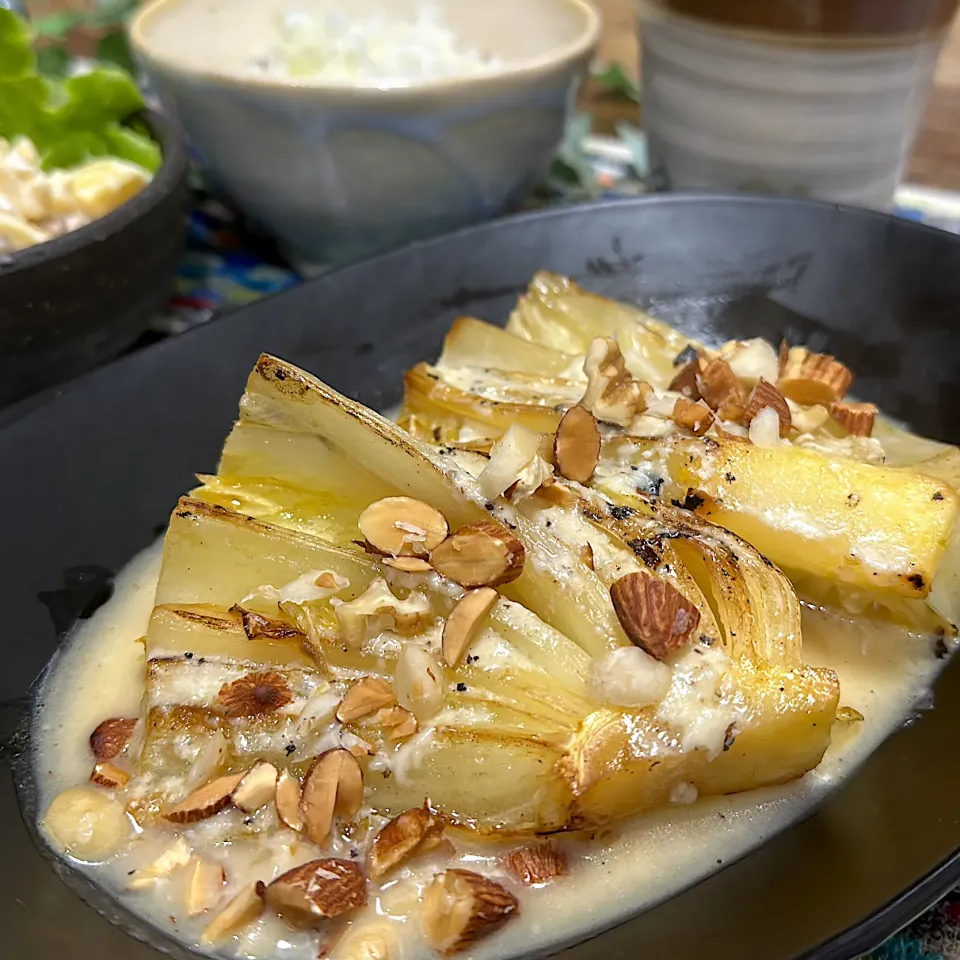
x: 465, y: 621
x: 655, y: 616
x: 176, y: 855
x: 107, y: 774
x: 536, y: 863
x: 692, y: 416
x: 410, y: 833
x: 402, y: 526
x: 111, y: 737
x: 207, y: 801
x: 204, y: 885
x: 254, y: 694
x: 333, y: 785
x: 721, y: 388
x: 407, y: 564
x: 257, y: 788
x: 612, y: 395
x: 810, y: 378
x: 586, y: 555
x: 576, y: 447
x: 461, y: 907
x: 482, y: 554
x: 316, y: 891
x: 399, y: 723
x: 766, y: 395
x: 685, y: 382
x: 418, y: 681
x: 856, y: 418
x: 557, y: 495
x: 287, y: 799
x: 242, y: 910
x: 366, y: 696
x: 257, y: 625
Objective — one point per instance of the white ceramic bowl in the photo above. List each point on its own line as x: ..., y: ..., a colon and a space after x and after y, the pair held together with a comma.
x: 337, y: 172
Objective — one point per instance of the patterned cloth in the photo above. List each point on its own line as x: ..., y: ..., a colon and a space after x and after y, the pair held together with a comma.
x: 226, y: 266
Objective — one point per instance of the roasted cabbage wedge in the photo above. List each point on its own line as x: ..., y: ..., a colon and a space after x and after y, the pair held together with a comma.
x: 864, y: 525
x: 518, y: 737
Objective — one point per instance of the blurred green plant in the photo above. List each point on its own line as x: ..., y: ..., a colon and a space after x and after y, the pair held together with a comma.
x: 107, y: 17
x: 614, y: 80
x: 69, y: 118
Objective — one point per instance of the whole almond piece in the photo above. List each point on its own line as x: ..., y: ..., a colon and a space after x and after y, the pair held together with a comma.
x: 107, y: 774
x: 403, y: 837
x: 535, y: 864
x: 402, y: 526
x: 110, y: 737
x: 692, y: 416
x: 407, y: 564
x: 333, y: 785
x: 366, y: 696
x: 576, y: 447
x: 316, y: 891
x: 257, y: 788
x: 766, y: 395
x: 243, y: 909
x: 482, y: 554
x: 288, y: 801
x: 203, y: 885
x: 461, y: 907
x: 856, y: 418
x: 655, y: 616
x: 465, y: 621
x: 206, y: 801
x: 811, y: 378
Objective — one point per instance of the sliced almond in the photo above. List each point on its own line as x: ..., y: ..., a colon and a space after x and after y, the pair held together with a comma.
x: 655, y: 616
x: 461, y: 907
x: 287, y: 799
x: 176, y: 855
x: 535, y: 864
x: 406, y: 835
x: 721, y: 388
x: 366, y: 696
x: 402, y: 526
x: 365, y: 941
x: 242, y: 910
x: 557, y: 495
x: 398, y: 722
x: 107, y: 774
x: 204, y: 880
x: 856, y: 418
x: 110, y: 738
x: 694, y: 417
x: 257, y: 788
x: 766, y: 395
x: 576, y: 447
x: 207, y: 801
x: 810, y: 378
x: 849, y: 715
x: 465, y: 621
x: 316, y: 891
x: 254, y: 694
x: 333, y: 785
x: 482, y: 554
x: 407, y: 564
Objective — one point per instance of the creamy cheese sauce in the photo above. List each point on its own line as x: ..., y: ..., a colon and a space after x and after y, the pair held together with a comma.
x: 884, y: 673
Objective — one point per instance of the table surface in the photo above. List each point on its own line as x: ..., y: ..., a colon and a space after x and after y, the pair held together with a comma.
x: 936, y: 157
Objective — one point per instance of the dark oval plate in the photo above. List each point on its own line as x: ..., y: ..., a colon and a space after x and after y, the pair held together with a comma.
x: 92, y: 471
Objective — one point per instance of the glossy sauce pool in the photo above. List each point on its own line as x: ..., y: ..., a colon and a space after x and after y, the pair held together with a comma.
x: 884, y: 673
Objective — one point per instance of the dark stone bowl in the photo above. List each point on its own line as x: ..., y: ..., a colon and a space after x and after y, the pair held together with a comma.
x: 73, y: 302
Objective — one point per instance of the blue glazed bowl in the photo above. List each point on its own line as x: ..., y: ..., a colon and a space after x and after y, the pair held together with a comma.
x: 340, y: 171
